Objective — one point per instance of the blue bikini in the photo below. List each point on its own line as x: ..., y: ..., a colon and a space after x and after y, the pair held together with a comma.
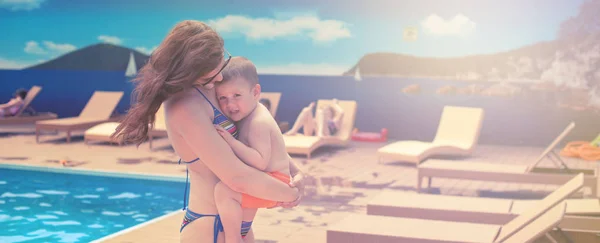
x: 190, y: 216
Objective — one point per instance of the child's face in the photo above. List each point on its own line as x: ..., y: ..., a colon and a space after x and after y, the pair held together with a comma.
x: 237, y: 99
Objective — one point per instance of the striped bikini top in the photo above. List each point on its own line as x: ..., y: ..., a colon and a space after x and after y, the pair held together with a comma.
x: 220, y: 120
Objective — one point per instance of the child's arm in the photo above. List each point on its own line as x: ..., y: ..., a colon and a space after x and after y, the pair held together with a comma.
x: 258, y: 155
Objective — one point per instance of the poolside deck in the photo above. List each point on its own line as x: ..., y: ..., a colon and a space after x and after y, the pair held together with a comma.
x: 351, y: 177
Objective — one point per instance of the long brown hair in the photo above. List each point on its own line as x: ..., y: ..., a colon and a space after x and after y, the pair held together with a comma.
x: 191, y: 50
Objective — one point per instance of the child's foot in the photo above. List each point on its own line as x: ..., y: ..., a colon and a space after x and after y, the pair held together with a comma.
x: 311, y: 105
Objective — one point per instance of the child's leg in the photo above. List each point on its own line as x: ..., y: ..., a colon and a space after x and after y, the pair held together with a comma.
x: 305, y: 119
x: 230, y: 209
x: 249, y: 237
x: 247, y: 218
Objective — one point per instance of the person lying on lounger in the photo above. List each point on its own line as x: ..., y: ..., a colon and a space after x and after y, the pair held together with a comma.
x: 327, y: 120
x: 15, y: 104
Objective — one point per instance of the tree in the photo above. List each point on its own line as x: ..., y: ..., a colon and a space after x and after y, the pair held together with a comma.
x: 585, y: 23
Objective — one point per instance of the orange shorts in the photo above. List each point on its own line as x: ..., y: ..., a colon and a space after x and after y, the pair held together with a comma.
x: 255, y: 202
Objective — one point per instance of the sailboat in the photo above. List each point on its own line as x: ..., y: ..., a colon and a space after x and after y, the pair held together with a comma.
x: 131, y: 70
x: 357, y: 74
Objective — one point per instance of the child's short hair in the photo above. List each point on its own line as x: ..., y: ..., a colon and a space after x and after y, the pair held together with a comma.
x: 240, y: 67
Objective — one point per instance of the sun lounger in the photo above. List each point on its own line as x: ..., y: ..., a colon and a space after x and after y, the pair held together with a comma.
x: 579, y: 212
x: 301, y: 144
x: 509, y: 173
x: 527, y: 227
x: 457, y: 135
x: 98, y: 110
x: 274, y: 98
x: 103, y: 131
x: 24, y: 118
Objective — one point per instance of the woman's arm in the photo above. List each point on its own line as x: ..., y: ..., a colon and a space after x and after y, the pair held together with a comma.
x: 9, y: 104
x: 198, y: 131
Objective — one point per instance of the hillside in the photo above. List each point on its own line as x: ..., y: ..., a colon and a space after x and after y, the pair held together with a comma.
x: 98, y: 57
x: 572, y: 62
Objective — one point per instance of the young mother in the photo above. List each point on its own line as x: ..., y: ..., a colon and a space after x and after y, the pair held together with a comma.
x: 181, y: 73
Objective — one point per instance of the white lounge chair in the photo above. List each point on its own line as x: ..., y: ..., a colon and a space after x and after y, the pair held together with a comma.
x: 301, y: 144
x: 103, y: 131
x: 526, y: 227
x: 457, y: 135
x: 581, y: 214
x: 485, y: 171
x: 21, y: 118
x: 98, y: 110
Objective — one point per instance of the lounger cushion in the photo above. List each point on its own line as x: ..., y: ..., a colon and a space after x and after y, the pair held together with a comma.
x: 395, y: 199
x: 370, y: 228
x: 585, y: 207
x: 104, y: 129
x: 406, y: 148
x: 473, y: 166
x: 300, y: 141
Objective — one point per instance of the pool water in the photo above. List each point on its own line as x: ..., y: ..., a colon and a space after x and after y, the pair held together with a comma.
x: 38, y: 206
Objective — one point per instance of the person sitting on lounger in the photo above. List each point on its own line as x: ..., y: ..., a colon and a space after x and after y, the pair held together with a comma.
x: 327, y: 120
x: 15, y: 104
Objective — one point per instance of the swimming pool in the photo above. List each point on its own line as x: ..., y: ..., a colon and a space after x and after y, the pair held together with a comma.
x: 55, y: 206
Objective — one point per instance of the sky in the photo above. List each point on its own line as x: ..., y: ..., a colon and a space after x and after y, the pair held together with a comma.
x: 286, y: 37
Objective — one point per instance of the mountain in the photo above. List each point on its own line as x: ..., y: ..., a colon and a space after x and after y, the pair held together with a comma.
x: 569, y: 64
x: 98, y: 57
x: 523, y: 63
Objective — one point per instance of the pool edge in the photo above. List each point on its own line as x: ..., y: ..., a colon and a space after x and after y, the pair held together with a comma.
x: 95, y: 172
x: 135, y: 227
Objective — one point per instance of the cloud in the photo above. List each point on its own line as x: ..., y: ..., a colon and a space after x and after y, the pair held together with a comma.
x: 13, y: 64
x: 268, y: 28
x: 458, y: 25
x: 110, y: 39
x: 304, y: 69
x: 60, y: 48
x: 145, y: 50
x: 16, y: 5
x: 33, y: 47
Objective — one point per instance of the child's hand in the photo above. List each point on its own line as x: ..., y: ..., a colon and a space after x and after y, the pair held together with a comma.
x: 224, y: 134
x: 297, y: 182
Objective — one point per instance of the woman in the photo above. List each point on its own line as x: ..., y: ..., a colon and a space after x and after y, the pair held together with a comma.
x: 327, y: 120
x: 181, y: 73
x: 14, y: 105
